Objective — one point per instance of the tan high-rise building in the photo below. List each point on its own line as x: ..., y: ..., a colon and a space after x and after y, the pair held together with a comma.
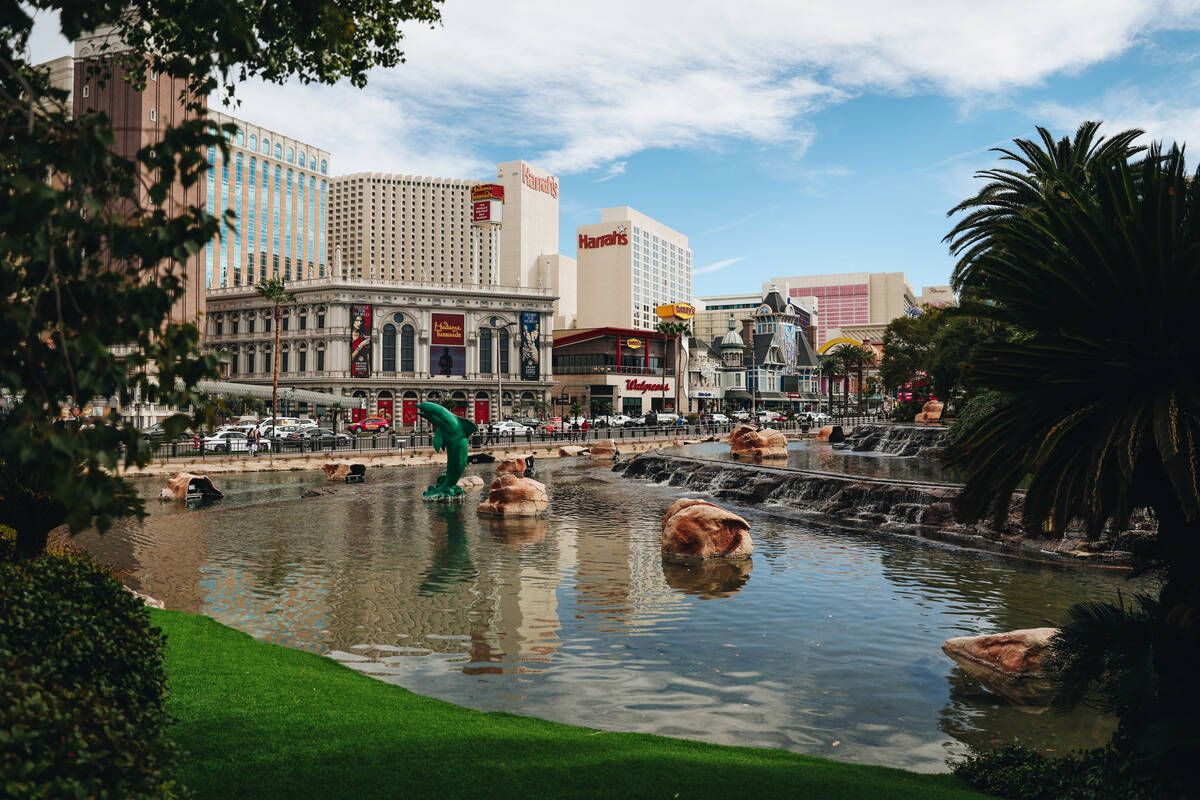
x: 850, y: 300
x: 530, y: 228
x: 407, y: 229
x: 628, y: 265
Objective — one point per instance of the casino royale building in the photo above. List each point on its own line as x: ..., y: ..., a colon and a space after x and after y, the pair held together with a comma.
x: 386, y: 346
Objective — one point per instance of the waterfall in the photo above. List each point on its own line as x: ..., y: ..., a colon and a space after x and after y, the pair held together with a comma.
x: 923, y: 441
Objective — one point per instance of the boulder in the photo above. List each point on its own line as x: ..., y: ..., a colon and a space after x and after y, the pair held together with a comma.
x: 571, y: 450
x: 698, y: 529
x: 512, y: 464
x: 341, y: 470
x: 605, y: 448
x: 470, y: 481
x: 1017, y: 654
x: 831, y: 433
x: 185, y: 484
x: 931, y: 413
x: 747, y: 442
x: 515, y: 496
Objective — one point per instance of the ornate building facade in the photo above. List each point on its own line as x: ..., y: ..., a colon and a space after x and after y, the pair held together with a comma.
x: 386, y: 346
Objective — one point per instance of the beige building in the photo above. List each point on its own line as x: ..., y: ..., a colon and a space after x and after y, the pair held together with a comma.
x: 628, y: 265
x: 562, y: 278
x: 279, y: 189
x: 849, y: 299
x: 712, y: 313
x: 937, y: 296
x: 530, y: 228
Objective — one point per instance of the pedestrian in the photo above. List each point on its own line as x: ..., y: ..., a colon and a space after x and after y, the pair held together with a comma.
x: 584, y: 428
x: 254, y: 443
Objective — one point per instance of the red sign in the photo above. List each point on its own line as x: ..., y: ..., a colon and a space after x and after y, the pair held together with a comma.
x: 549, y: 184
x: 481, y: 411
x: 408, y: 412
x: 634, y: 385
x: 619, y: 236
x: 448, y: 329
x: 487, y: 191
x: 385, y: 410
x: 481, y: 211
x: 360, y: 340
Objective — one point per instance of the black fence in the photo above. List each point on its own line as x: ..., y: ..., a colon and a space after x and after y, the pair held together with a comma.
x: 416, y: 441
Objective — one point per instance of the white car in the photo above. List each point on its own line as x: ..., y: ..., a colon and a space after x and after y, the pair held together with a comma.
x: 307, y: 423
x: 231, y: 442
x: 285, y: 431
x: 717, y: 419
x: 741, y: 416
x: 246, y: 427
x: 512, y: 428
x: 817, y: 417
x: 616, y: 420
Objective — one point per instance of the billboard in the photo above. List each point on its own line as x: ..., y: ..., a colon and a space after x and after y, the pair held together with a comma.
x: 448, y: 329
x: 487, y: 211
x: 487, y: 191
x: 683, y: 311
x: 360, y: 340
x: 447, y: 360
x: 531, y: 346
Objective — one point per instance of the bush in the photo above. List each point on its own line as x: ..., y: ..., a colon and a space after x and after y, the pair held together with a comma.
x: 82, y: 709
x: 8, y: 543
x: 1108, y: 772
x: 975, y: 410
x: 905, y: 410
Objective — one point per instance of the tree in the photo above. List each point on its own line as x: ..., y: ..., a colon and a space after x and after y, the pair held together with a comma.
x: 908, y: 347
x: 274, y: 291
x: 848, y: 357
x: 676, y: 330
x: 91, y: 258
x: 1100, y: 416
x: 831, y: 367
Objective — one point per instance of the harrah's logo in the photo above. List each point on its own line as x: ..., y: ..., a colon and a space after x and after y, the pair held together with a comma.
x: 619, y: 236
x: 547, y: 184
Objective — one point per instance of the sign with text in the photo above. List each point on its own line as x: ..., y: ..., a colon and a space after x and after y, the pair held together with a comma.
x: 634, y: 385
x: 360, y: 340
x: 548, y: 184
x: 487, y: 191
x: 531, y: 346
x: 620, y: 236
x: 448, y: 329
x: 487, y: 211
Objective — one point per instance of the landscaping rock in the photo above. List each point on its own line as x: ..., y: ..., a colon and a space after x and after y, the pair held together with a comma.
x: 746, y: 442
x: 147, y: 599
x: 931, y: 413
x: 571, y: 450
x: 514, y: 496
x: 1017, y: 654
x: 605, y: 448
x: 470, y: 481
x: 698, y: 529
x: 513, y: 464
x: 184, y: 483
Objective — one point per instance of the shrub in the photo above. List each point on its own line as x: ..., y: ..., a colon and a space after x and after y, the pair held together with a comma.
x: 82, y: 709
x: 905, y: 410
x: 975, y: 410
x: 1018, y: 773
x: 8, y: 543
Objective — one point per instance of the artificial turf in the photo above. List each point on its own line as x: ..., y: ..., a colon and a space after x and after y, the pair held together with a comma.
x: 258, y: 720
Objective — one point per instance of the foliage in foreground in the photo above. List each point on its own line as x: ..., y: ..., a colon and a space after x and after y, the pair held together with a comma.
x: 82, y: 712
x: 1017, y: 773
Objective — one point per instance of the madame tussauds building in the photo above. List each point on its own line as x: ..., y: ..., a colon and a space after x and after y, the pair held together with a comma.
x: 387, y: 347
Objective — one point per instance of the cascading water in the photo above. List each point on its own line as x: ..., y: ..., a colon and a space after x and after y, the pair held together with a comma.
x: 923, y: 441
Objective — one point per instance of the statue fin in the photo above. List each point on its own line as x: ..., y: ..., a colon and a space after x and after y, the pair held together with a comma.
x: 467, y: 426
x: 437, y: 440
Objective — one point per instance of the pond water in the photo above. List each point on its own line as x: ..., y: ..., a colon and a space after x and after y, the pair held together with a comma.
x: 826, y: 643
x: 814, y: 455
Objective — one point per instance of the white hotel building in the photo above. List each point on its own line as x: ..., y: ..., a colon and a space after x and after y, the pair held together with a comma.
x: 628, y: 264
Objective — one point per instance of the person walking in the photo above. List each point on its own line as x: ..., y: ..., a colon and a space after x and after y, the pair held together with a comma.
x: 584, y: 428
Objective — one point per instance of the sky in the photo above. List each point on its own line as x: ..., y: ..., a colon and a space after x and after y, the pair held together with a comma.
x: 783, y: 138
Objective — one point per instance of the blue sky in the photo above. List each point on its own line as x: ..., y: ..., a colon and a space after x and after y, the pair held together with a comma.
x: 782, y: 138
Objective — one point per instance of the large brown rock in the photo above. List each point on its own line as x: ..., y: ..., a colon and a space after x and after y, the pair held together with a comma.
x: 513, y: 464
x: 605, y: 448
x: 571, y: 450
x: 184, y: 483
x: 514, y: 496
x: 1017, y: 654
x: 698, y: 529
x: 747, y: 442
x: 931, y: 413
x: 470, y: 482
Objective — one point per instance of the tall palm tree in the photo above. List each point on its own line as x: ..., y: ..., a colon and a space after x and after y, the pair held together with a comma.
x: 274, y: 291
x: 863, y: 357
x: 675, y: 330
x: 847, y: 356
x: 831, y: 367
x: 1092, y: 256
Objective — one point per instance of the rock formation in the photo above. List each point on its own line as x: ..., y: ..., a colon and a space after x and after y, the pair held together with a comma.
x: 513, y: 464
x: 184, y: 484
x: 698, y: 529
x: 1009, y: 664
x: 514, y: 496
x: 931, y: 413
x: 340, y: 470
x: 470, y: 481
x: 746, y: 442
x: 605, y: 448
x: 831, y: 433
x: 571, y: 450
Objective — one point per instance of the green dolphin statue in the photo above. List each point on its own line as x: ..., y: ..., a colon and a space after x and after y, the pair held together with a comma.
x: 452, y: 433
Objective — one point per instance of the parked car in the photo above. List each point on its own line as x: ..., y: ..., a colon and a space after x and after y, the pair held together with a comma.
x: 231, y: 441
x: 282, y: 432
x: 528, y: 422
x: 268, y: 423
x: 305, y: 422
x: 510, y: 427
x: 320, y: 436
x: 370, y: 425
x: 247, y: 425
x: 716, y: 419
x: 817, y: 418
x: 741, y: 416
x: 617, y: 420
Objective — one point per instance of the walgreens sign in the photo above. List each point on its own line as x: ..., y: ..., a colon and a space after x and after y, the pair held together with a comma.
x: 634, y: 385
x: 548, y: 184
x: 619, y: 236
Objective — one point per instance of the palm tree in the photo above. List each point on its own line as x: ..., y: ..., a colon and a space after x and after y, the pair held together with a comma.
x: 1103, y: 413
x: 675, y: 330
x: 831, y: 367
x: 847, y: 356
x: 863, y: 357
x: 274, y: 291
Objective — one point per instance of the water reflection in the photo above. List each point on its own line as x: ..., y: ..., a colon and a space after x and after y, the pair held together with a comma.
x: 576, y: 617
x: 707, y: 578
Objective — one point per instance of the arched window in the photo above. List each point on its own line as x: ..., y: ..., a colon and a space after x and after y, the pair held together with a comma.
x: 266, y: 146
x: 312, y: 162
x: 389, y: 348
x: 321, y: 317
x: 320, y: 356
x: 502, y: 339
x: 240, y: 140
x: 485, y: 351
x: 278, y: 150
x: 253, y: 142
x: 291, y: 156
x: 302, y: 357
x: 323, y: 166
x: 407, y: 348
x: 301, y: 158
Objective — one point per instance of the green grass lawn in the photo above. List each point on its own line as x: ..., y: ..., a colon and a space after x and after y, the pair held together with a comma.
x: 261, y: 721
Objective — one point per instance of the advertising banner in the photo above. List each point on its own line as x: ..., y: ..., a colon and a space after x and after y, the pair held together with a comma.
x: 448, y: 329
x: 360, y: 340
x: 446, y: 360
x: 487, y: 191
x: 531, y: 346
x: 481, y: 211
x: 408, y: 412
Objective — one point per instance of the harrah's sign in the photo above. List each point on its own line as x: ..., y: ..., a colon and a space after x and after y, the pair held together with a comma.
x: 547, y: 184
x: 634, y: 385
x: 619, y: 236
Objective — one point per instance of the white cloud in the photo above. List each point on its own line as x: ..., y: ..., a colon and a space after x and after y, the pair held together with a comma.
x: 717, y: 265
x: 614, y: 169
x: 578, y: 87
x: 1167, y: 113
